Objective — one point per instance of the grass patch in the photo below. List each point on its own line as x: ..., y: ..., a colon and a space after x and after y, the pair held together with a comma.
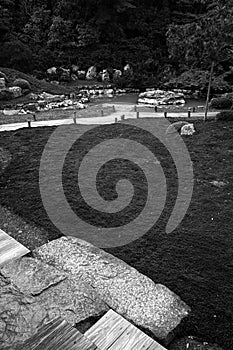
x: 195, y: 260
x: 90, y: 111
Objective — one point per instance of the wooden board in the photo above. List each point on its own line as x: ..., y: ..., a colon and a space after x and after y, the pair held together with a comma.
x: 10, y: 249
x: 113, y: 332
x: 58, y: 335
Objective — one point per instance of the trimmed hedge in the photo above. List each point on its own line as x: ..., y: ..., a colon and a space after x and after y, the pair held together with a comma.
x: 221, y: 103
x: 23, y: 83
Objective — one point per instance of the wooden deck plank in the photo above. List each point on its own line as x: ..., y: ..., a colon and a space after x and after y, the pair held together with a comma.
x: 134, y: 339
x: 106, y: 331
x: 10, y: 249
x: 58, y: 335
x: 113, y: 332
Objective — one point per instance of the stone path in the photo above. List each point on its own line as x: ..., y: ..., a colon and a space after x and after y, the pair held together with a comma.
x: 71, y: 279
x: 127, y: 110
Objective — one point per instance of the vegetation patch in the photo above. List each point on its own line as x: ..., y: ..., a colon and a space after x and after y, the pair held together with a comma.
x: 195, y: 260
x: 225, y: 116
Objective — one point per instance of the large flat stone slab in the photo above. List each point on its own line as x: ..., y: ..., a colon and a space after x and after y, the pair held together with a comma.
x: 32, y: 293
x: 124, y: 289
x: 32, y: 276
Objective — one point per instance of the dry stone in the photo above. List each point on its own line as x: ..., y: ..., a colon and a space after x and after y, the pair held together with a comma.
x: 124, y: 289
x: 16, y: 91
x: 2, y: 83
x: 32, y: 276
x: 91, y: 73
x: 176, y: 127
x: 187, y: 130
x: 32, y: 293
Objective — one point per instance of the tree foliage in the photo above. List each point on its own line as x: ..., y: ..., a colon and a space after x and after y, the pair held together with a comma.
x: 156, y: 37
x: 208, y: 38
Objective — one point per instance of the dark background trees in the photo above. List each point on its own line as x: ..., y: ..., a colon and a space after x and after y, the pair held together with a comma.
x: 158, y: 38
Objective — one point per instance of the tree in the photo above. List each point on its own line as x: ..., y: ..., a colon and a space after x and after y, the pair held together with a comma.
x: 204, y: 40
x: 6, y: 20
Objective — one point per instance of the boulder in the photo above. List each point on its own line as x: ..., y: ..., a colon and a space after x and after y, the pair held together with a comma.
x: 176, y: 127
x: 16, y: 91
x: 124, y: 289
x: 91, y: 73
x: 128, y: 69
x: 187, y: 130
x: 117, y: 73
x: 64, y: 74
x: 74, y: 69
x: 52, y: 70
x: 81, y: 74
x: 23, y: 83
x: 2, y: 83
x: 105, y: 75
x: 33, y: 293
x: 30, y: 107
x: 158, y: 97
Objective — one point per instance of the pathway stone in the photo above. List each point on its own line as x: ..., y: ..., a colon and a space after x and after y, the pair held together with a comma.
x: 124, y: 289
x: 32, y: 293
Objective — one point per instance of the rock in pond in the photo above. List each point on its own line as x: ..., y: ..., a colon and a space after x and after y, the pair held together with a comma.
x: 160, y: 97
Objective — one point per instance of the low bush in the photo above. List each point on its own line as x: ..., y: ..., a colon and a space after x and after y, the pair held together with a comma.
x: 23, y: 83
x: 221, y: 103
x: 224, y: 116
x: 6, y: 95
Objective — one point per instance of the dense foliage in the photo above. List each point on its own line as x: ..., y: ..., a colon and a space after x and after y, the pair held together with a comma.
x: 158, y: 38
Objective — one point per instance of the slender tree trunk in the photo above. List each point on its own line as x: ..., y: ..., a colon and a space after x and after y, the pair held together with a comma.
x: 208, y: 92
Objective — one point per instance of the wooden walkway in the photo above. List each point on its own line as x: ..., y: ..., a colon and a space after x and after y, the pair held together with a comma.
x: 58, y: 335
x: 10, y: 249
x: 113, y: 332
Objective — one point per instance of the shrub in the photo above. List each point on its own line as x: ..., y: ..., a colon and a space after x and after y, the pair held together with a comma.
x: 224, y: 116
x: 221, y: 103
x: 23, y: 83
x: 229, y: 96
x: 6, y: 95
x: 15, y: 54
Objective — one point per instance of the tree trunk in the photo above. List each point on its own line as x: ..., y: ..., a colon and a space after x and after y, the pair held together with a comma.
x: 208, y: 92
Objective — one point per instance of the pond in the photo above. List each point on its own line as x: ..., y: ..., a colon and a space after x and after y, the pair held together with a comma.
x: 132, y: 99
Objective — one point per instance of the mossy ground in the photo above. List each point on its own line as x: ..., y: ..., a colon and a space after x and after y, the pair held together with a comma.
x: 195, y: 261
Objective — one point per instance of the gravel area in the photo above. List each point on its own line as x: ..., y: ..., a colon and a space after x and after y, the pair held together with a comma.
x: 90, y: 111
